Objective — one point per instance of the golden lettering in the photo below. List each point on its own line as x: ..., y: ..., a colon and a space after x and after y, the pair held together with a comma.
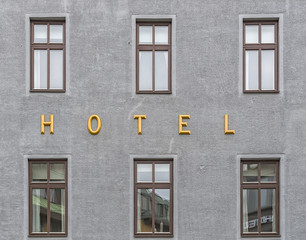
x: 94, y: 132
x: 226, y: 131
x: 140, y: 117
x: 183, y: 124
x: 43, y: 124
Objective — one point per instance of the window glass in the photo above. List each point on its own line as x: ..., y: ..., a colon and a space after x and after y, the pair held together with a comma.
x: 145, y: 70
x: 40, y: 69
x: 267, y: 70
x: 162, y: 173
x: 56, y: 33
x: 161, y: 70
x: 162, y: 210
x: 268, y: 210
x: 57, y: 172
x: 251, y: 69
x: 161, y: 35
x: 267, y: 34
x: 40, y: 33
x: 57, y: 210
x: 144, y: 172
x: 56, y: 69
x: 268, y: 172
x: 39, y: 210
x: 145, y: 34
x: 250, y: 210
x: 251, y: 34
x: 39, y: 172
x: 250, y: 172
x: 144, y: 210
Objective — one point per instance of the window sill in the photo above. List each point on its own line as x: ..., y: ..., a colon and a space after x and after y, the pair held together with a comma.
x: 260, y: 91
x: 47, y: 91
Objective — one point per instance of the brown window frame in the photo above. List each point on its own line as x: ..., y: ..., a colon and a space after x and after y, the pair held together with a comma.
x: 259, y: 185
x: 261, y: 46
x: 47, y: 46
x: 153, y: 186
x: 154, y: 47
x: 47, y: 185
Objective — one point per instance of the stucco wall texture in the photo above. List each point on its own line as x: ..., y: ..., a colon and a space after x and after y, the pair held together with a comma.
x: 207, y: 86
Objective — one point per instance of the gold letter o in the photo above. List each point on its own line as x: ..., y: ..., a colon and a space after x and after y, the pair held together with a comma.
x: 89, y: 124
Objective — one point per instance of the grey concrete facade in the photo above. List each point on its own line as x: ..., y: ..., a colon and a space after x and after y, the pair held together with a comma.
x: 207, y: 85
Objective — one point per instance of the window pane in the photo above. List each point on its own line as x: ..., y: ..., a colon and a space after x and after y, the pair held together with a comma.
x: 145, y: 34
x: 161, y: 70
x: 162, y: 173
x: 144, y: 172
x: 268, y: 213
x: 145, y: 70
x: 250, y: 210
x: 57, y: 210
x: 40, y: 33
x: 144, y: 210
x: 251, y: 34
x: 250, y: 172
x: 39, y: 210
x: 267, y: 34
x: 268, y: 172
x: 57, y: 172
x: 56, y: 69
x: 39, y: 172
x: 40, y: 69
x: 161, y: 35
x: 162, y: 210
x: 251, y: 70
x: 267, y: 69
x: 56, y: 33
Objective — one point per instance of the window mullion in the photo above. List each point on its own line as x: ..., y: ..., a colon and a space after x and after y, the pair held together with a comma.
x: 259, y: 210
x: 153, y: 210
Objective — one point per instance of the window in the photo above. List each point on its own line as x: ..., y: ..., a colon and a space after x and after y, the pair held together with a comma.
x: 260, y: 198
x: 153, y: 57
x: 260, y: 56
x: 48, y: 198
x: 153, y: 198
x: 48, y: 56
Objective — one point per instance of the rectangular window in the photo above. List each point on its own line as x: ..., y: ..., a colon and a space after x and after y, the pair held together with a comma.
x: 153, y: 57
x: 48, y: 56
x: 260, y: 56
x: 48, y: 198
x: 153, y: 198
x: 260, y: 198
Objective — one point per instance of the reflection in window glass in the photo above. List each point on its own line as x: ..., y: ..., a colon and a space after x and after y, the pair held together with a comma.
x: 57, y: 210
x: 250, y: 172
x: 39, y: 172
x: 57, y: 172
x: 251, y: 70
x: 162, y: 210
x: 268, y: 172
x: 144, y: 172
x: 250, y: 210
x: 39, y: 210
x: 56, y: 69
x: 268, y: 223
x: 267, y: 69
x: 144, y: 210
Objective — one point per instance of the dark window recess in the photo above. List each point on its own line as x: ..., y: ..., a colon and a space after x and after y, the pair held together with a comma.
x: 153, y: 197
x: 48, y: 198
x: 260, y: 198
